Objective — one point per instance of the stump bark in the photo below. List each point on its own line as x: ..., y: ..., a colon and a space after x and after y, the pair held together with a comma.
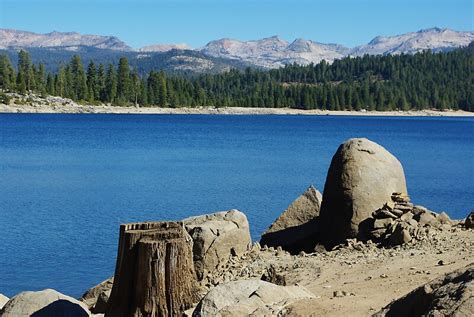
x: 154, y: 274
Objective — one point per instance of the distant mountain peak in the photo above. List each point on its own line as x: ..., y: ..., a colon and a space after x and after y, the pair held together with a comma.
x: 164, y: 47
x: 436, y: 39
x: 433, y: 29
x: 23, y: 39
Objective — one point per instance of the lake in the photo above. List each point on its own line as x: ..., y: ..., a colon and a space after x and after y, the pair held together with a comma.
x: 68, y: 181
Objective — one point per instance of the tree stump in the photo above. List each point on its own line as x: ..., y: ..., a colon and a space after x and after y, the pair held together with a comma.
x: 154, y: 274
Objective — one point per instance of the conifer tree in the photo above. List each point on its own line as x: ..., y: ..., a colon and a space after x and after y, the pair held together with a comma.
x: 7, y: 73
x: 123, y: 80
x: 111, y: 84
x: 24, y: 78
x: 50, y: 85
x: 79, y: 80
x: 92, y: 82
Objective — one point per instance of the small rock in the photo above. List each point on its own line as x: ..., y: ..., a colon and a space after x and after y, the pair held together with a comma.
x: 406, y: 216
x: 413, y: 222
x: 389, y: 205
x: 383, y: 213
x: 379, y: 233
x: 383, y: 275
x: 382, y: 223
x: 3, y: 300
x: 427, y: 219
x: 399, y: 236
x: 469, y: 222
x: 272, y: 276
x: 417, y: 210
x: 443, y: 218
x: 440, y: 262
x: 398, y: 212
x: 319, y: 248
x: 339, y: 294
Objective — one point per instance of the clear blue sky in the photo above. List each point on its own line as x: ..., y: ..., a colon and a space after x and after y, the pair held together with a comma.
x: 142, y: 22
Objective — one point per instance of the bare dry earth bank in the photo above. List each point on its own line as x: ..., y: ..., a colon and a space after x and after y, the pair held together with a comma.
x: 50, y: 104
x: 359, y: 280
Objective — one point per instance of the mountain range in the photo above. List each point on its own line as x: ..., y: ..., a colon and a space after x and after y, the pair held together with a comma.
x: 223, y: 54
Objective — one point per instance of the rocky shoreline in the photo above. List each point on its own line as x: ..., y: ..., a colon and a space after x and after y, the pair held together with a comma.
x: 50, y: 104
x: 361, y: 248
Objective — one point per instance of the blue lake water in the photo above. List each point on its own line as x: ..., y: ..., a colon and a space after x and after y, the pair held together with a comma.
x: 68, y: 181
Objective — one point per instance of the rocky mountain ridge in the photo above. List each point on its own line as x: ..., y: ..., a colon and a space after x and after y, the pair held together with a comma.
x: 164, y: 47
x: 435, y: 39
x: 275, y: 52
x: 271, y: 52
x: 69, y: 40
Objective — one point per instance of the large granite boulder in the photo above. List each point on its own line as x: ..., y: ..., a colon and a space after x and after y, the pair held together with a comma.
x: 94, y: 298
x: 3, y: 300
x: 249, y: 298
x: 361, y: 179
x: 45, y: 303
x: 216, y: 237
x: 296, y: 227
x: 450, y: 295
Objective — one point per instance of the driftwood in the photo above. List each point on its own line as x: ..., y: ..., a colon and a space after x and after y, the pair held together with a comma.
x: 154, y: 274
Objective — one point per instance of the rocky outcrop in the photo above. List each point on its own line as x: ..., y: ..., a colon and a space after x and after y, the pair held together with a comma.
x: 3, y: 300
x: 249, y: 298
x: 451, y: 295
x: 469, y: 222
x: 361, y: 179
x: 45, y: 303
x: 295, y: 228
x: 398, y: 222
x: 102, y: 291
x: 216, y: 237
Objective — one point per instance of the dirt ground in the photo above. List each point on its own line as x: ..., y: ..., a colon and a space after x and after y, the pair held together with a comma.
x: 377, y: 277
x: 365, y: 277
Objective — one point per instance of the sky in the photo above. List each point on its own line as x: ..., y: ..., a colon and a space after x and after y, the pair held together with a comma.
x: 196, y: 22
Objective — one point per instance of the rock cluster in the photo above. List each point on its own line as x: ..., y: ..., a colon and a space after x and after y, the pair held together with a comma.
x: 399, y: 221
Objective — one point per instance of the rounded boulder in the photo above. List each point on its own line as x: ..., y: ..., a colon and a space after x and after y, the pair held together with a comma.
x: 45, y: 303
x: 362, y: 177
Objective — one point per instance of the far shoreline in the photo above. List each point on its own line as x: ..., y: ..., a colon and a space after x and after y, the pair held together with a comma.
x: 106, y: 109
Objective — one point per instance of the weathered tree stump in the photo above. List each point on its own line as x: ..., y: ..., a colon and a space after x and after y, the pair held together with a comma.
x: 154, y: 274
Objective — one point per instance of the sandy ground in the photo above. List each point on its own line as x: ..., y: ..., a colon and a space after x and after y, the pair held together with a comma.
x: 377, y: 278
x: 371, y: 277
x: 75, y: 108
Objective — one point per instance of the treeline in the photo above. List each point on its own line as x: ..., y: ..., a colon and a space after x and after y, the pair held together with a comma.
x: 420, y: 81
